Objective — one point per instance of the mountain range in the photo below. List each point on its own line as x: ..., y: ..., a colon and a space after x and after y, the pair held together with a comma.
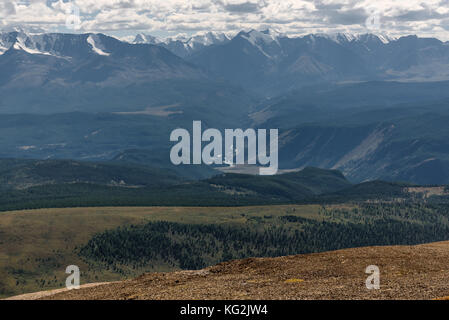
x: 55, y: 73
x: 369, y: 105
x: 267, y: 62
x: 68, y: 59
x: 272, y: 63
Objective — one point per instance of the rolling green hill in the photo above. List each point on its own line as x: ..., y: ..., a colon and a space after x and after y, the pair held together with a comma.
x: 33, y: 184
x: 23, y: 174
x: 158, y: 158
x: 66, y: 183
x: 292, y: 186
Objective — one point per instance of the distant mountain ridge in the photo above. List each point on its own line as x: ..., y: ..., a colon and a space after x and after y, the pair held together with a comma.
x: 56, y: 73
x: 72, y: 58
x: 393, y: 131
x: 271, y: 63
x: 269, y: 60
x: 266, y: 62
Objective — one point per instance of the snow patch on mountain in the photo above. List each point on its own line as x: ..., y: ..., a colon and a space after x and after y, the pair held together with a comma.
x: 19, y: 45
x: 30, y: 43
x: 386, y: 38
x: 96, y: 45
x: 2, y: 50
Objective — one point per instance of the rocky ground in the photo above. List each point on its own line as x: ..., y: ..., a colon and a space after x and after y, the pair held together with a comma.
x: 406, y: 272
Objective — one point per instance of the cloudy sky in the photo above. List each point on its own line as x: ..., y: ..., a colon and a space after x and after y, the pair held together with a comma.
x: 124, y: 18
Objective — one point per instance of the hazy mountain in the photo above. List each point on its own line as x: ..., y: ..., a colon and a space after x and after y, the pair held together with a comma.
x: 52, y: 73
x: 394, y: 131
x: 270, y: 63
x: 84, y: 71
x: 94, y: 58
x: 402, y: 148
x: 336, y: 102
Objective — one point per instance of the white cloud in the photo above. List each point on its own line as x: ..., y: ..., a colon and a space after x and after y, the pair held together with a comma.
x: 126, y: 17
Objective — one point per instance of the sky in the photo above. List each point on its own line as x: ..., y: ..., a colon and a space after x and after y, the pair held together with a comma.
x: 162, y: 18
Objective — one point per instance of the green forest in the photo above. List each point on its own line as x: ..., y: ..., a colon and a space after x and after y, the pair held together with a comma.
x: 195, y: 246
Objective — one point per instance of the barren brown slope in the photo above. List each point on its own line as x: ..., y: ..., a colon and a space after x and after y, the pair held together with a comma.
x: 407, y: 272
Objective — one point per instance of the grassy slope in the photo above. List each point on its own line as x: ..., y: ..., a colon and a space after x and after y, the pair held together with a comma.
x: 37, y: 245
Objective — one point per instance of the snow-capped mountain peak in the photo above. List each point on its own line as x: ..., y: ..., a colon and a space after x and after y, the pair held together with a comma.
x: 343, y: 38
x: 337, y: 37
x: 259, y: 37
x: 21, y: 41
x: 181, y: 44
x: 145, y: 38
x: 266, y: 42
x: 207, y: 39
